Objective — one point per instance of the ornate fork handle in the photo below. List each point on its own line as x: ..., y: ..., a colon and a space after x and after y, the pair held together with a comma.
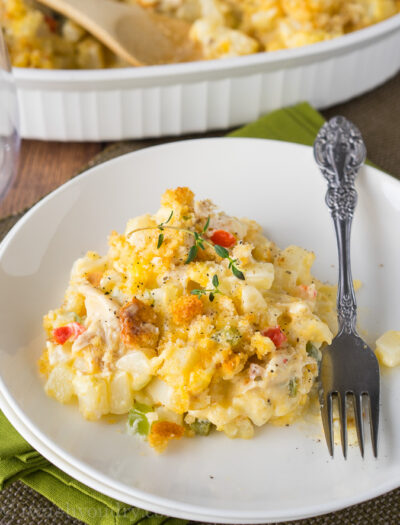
x: 339, y: 151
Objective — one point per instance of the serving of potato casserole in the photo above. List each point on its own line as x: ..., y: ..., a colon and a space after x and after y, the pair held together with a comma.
x: 193, y: 321
x: 40, y: 38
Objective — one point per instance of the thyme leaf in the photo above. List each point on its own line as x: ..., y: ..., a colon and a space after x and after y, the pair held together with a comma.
x: 237, y: 273
x: 162, y: 224
x: 211, y: 292
x: 221, y: 251
x: 199, y: 242
x: 206, y: 225
x: 192, y: 254
x: 198, y: 292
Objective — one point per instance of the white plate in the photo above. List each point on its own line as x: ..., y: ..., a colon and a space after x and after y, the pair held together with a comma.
x: 61, y: 463
x: 174, y: 99
x: 281, y: 474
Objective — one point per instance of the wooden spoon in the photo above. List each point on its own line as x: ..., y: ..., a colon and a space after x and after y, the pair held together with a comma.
x: 137, y: 35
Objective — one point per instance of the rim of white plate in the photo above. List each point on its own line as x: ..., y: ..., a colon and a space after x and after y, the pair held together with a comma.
x: 281, y: 57
x: 152, y: 502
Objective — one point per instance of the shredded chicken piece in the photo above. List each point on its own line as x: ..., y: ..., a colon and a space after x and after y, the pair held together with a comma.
x: 256, y: 371
x: 101, y: 319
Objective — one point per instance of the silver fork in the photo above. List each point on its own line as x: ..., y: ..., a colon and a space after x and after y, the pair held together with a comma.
x: 348, y: 367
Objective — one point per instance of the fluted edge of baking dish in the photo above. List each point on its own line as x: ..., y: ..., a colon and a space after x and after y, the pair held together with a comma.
x: 176, y: 99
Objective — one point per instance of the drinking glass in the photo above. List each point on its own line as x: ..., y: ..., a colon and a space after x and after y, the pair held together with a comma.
x: 9, y: 126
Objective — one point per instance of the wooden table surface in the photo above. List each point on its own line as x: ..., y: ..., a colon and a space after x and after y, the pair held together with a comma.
x: 45, y: 165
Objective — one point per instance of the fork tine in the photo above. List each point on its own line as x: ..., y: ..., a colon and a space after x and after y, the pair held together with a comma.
x: 374, y: 419
x: 358, y: 415
x: 326, y: 416
x: 343, y: 421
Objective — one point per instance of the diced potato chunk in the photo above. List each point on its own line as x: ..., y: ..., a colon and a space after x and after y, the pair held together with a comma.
x: 165, y: 295
x: 90, y: 54
x: 311, y: 328
x: 160, y: 392
x: 164, y: 414
x: 90, y: 263
x: 72, y: 32
x: 143, y: 221
x: 121, y: 398
x: 254, y: 406
x: 139, y: 367
x: 285, y: 279
x: 298, y: 260
x: 260, y: 275
x: 219, y: 41
x: 59, y: 384
x: 240, y: 427
x: 92, y: 394
x: 58, y: 353
x: 252, y: 300
x: 388, y: 348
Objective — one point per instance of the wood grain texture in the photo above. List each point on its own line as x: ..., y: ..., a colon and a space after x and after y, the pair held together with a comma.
x: 43, y: 167
x: 46, y: 165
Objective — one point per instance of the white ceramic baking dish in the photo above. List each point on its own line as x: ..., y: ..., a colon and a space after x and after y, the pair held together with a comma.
x: 175, y: 99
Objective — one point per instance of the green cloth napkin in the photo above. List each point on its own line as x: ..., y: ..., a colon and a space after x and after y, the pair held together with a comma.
x: 18, y: 460
x: 298, y: 124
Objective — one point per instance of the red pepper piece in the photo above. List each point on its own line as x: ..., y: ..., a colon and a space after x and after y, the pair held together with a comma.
x: 223, y: 238
x: 276, y: 335
x: 68, y: 331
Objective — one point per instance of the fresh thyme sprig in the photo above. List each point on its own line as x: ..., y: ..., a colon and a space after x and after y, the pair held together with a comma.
x: 212, y: 292
x: 199, y: 242
x: 223, y: 252
x: 161, y: 228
